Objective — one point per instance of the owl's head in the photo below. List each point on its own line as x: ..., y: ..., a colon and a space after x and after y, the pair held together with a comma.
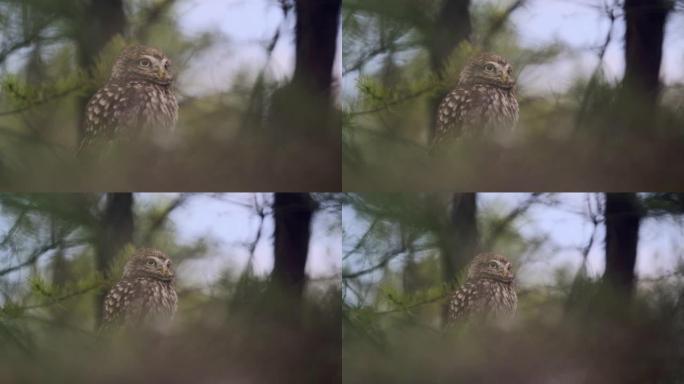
x: 148, y: 262
x: 491, y: 266
x: 488, y: 68
x: 138, y: 62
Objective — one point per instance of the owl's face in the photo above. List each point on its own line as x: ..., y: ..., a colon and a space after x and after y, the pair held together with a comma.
x: 491, y: 266
x: 149, y: 263
x: 490, y: 69
x: 143, y: 63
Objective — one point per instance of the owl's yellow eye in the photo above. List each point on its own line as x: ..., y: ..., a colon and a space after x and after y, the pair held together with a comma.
x: 145, y: 63
x: 489, y: 68
x: 150, y: 263
x: 492, y: 264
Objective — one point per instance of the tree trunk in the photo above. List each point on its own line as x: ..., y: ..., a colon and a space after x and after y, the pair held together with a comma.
x: 316, y: 42
x: 102, y: 20
x: 305, y: 104
x: 623, y: 215
x: 292, y: 214
x: 115, y: 232
x: 644, y: 35
x: 461, y: 238
x: 452, y: 27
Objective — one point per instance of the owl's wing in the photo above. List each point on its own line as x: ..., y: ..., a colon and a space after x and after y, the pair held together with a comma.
x: 461, y: 113
x: 124, y: 303
x: 452, y: 113
x: 466, y: 301
x: 113, y: 108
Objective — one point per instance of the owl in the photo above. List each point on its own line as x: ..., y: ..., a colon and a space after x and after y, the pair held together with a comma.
x: 145, y: 296
x: 483, y: 104
x: 489, y: 291
x: 137, y: 102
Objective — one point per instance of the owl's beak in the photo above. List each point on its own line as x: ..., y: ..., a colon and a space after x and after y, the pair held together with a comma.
x: 167, y: 272
x: 163, y: 75
x: 508, y: 79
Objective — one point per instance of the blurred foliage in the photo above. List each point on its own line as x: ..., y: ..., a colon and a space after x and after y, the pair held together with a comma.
x: 222, y: 140
x: 233, y: 329
x: 565, y: 140
x: 570, y: 327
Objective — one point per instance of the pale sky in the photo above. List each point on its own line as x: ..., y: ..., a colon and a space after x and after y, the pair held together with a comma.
x: 247, y: 25
x: 244, y: 28
x: 228, y: 224
x: 578, y: 24
x: 568, y: 231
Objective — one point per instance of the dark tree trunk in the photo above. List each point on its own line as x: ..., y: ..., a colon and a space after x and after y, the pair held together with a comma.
x: 305, y: 104
x: 102, y: 20
x: 292, y: 213
x: 115, y: 232
x: 460, y: 238
x: 645, y: 32
x: 623, y: 216
x: 316, y: 41
x: 452, y: 27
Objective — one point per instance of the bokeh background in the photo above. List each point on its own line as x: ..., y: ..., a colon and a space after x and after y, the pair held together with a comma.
x: 597, y: 113
x: 230, y: 58
x: 592, y: 308
x: 250, y: 309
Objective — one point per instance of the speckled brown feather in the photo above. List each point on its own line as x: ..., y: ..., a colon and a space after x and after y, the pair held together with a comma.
x: 130, y: 105
x: 478, y: 106
x: 140, y: 297
x: 485, y: 294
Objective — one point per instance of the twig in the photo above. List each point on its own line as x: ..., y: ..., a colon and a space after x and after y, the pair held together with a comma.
x: 41, y: 101
x: 362, y: 240
x: 383, y: 262
x: 36, y: 254
x: 593, y: 82
x: 500, y: 21
x: 62, y: 298
x: 163, y: 216
x: 14, y: 228
x: 508, y: 219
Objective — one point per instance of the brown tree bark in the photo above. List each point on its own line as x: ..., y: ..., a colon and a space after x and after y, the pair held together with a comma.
x: 316, y: 42
x: 461, y: 237
x: 292, y: 214
x: 452, y: 27
x: 305, y: 104
x: 623, y: 216
x: 102, y: 20
x: 116, y: 230
x: 644, y: 35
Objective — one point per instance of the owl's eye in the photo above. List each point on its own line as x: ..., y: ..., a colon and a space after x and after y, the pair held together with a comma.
x: 492, y: 264
x: 489, y: 68
x: 145, y: 63
x: 150, y: 263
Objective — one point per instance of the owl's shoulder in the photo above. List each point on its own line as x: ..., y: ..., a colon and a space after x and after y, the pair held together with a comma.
x: 120, y: 298
x: 467, y: 298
